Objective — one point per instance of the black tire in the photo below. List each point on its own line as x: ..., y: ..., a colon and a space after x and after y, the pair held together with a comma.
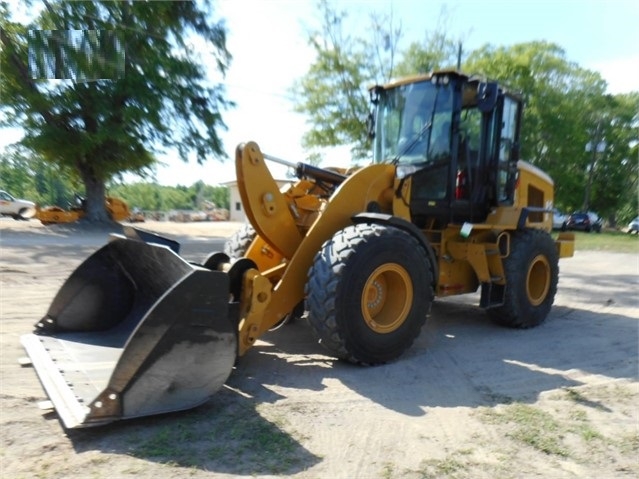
x: 531, y: 273
x: 22, y: 213
x: 369, y: 291
x: 237, y: 245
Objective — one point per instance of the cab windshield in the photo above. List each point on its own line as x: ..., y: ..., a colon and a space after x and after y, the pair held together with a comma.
x: 412, y: 124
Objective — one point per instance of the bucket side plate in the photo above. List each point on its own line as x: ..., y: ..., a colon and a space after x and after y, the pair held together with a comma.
x: 171, y: 347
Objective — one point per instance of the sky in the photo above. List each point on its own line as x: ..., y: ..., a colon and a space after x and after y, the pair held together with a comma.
x: 268, y: 41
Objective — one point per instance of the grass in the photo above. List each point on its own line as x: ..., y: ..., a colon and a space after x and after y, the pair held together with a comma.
x: 611, y: 241
x: 238, y: 439
x: 388, y: 471
x: 456, y: 465
x: 629, y: 444
x: 449, y: 468
x: 582, y: 427
x: 537, y: 429
x: 168, y: 442
x: 531, y: 426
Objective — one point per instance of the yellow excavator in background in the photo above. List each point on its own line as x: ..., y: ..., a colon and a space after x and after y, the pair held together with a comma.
x: 136, y: 330
x: 116, y: 208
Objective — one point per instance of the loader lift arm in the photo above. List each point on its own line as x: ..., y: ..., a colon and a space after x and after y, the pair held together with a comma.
x: 274, y: 221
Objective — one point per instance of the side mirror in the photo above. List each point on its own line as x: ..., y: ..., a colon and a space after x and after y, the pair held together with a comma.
x: 370, y: 126
x: 374, y: 94
x: 487, y: 96
x: 514, y: 152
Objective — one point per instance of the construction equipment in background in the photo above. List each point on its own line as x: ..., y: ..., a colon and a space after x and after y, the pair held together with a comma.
x: 137, y: 330
x: 117, y: 210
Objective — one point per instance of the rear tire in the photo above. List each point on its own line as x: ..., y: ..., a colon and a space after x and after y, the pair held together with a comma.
x: 369, y: 292
x: 532, y: 274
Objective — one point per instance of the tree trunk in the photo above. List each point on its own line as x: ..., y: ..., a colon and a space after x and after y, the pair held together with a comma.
x: 95, y: 209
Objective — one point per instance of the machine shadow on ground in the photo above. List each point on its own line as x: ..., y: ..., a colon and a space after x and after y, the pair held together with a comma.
x: 460, y: 359
x: 225, y: 435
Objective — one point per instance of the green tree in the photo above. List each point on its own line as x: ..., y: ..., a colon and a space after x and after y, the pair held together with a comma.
x: 438, y: 50
x: 28, y: 176
x: 584, y: 138
x: 564, y: 103
x: 203, y: 193
x: 146, y: 196
x: 16, y: 175
x: 333, y: 92
x: 132, y: 84
x: 154, y: 197
x: 615, y: 171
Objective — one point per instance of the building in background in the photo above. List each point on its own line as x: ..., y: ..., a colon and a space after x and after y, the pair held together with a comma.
x: 236, y: 209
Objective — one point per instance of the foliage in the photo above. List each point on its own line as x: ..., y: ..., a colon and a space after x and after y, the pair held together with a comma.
x: 128, y: 83
x: 29, y: 177
x: 566, y: 110
x: 566, y: 106
x: 437, y: 50
x: 154, y: 197
x: 333, y: 92
x: 616, y: 172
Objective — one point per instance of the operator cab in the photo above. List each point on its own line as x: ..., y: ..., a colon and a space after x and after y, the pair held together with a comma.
x: 455, y: 138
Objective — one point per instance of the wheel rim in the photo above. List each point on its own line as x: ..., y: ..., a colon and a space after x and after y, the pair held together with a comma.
x: 538, y: 280
x: 387, y: 298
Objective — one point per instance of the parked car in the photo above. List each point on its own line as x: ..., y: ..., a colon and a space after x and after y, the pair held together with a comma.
x: 17, y: 209
x: 558, y: 219
x: 596, y: 221
x: 633, y: 226
x: 584, y: 221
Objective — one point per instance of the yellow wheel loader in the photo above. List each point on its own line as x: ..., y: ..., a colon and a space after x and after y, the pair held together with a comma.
x: 116, y: 208
x: 445, y: 208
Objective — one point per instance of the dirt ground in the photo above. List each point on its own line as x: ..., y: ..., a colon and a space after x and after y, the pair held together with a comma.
x: 468, y: 400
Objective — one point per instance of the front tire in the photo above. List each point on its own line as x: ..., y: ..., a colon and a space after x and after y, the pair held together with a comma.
x: 238, y: 244
x: 369, y: 291
x: 531, y: 274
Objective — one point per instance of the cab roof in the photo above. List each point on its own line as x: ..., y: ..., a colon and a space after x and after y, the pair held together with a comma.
x: 420, y: 77
x: 450, y: 72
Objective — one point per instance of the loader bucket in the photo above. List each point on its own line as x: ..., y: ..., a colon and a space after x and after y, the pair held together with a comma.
x: 134, y: 331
